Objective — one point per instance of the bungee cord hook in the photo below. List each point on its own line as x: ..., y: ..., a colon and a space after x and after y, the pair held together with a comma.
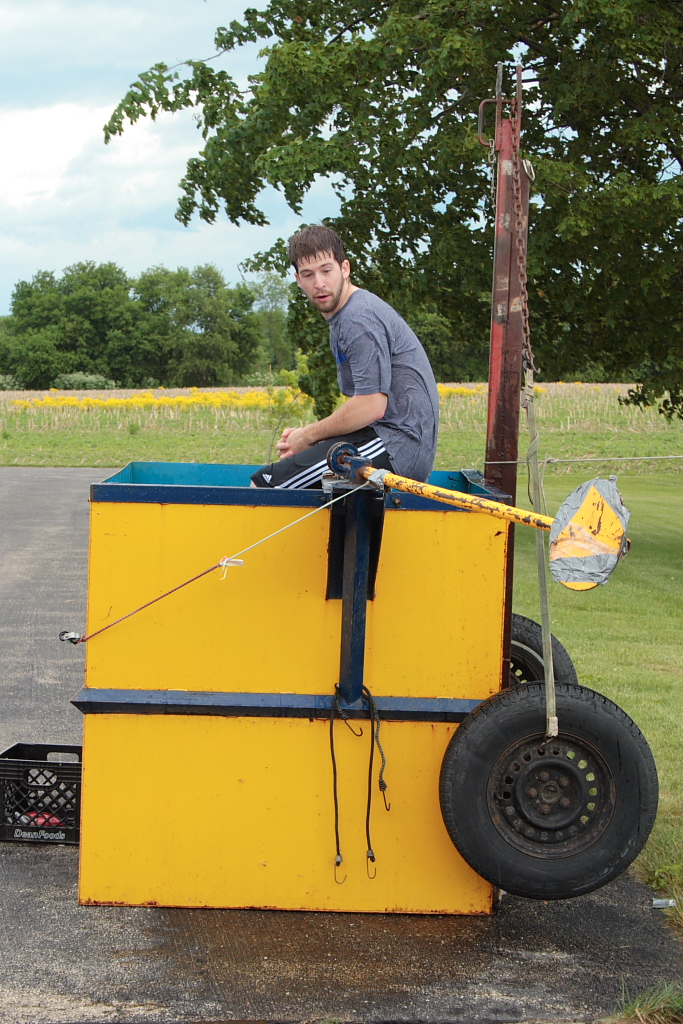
x: 338, y: 710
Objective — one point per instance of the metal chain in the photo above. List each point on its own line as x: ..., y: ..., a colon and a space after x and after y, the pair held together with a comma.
x: 493, y: 162
x: 527, y: 354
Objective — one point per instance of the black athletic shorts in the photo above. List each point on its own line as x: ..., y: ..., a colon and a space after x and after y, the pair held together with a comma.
x: 306, y: 468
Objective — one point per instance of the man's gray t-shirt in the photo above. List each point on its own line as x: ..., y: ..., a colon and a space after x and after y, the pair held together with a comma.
x: 376, y: 351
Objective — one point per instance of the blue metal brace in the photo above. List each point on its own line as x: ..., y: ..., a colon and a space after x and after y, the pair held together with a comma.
x: 355, y: 593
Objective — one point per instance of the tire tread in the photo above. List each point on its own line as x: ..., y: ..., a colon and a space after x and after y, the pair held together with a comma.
x: 529, y: 699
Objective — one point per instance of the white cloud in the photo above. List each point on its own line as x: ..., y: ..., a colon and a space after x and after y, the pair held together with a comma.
x: 39, y: 145
x: 65, y: 197
x: 52, y: 50
x: 78, y: 32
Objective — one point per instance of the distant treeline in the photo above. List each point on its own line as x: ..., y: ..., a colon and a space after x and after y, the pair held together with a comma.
x: 95, y: 326
x: 178, y: 328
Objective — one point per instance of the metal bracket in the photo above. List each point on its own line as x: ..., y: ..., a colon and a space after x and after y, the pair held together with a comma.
x: 362, y: 507
x: 74, y: 638
x: 337, y: 536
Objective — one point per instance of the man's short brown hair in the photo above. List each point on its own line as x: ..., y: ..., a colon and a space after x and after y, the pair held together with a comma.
x: 313, y: 241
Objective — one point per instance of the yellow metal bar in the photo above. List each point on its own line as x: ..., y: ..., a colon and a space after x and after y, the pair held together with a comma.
x: 468, y: 501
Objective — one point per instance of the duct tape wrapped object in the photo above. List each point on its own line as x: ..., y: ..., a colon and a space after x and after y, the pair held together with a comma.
x: 588, y: 537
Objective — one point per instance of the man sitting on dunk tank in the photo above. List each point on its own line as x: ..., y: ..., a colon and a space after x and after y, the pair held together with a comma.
x: 392, y: 415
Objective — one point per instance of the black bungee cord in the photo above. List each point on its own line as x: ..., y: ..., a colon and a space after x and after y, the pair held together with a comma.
x: 337, y: 709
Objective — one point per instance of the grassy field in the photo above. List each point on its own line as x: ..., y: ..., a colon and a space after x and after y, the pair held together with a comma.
x: 626, y: 641
x: 625, y: 638
x: 575, y: 421
x: 112, y: 430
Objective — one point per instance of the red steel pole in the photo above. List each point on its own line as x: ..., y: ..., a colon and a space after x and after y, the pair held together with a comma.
x: 507, y: 333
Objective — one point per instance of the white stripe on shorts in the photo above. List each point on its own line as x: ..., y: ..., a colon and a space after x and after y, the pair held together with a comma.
x: 370, y: 450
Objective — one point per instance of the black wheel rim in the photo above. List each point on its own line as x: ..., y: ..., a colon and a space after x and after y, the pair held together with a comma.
x: 525, y: 664
x: 551, y: 799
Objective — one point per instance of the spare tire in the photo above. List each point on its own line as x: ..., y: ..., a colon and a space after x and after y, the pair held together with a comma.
x: 526, y: 654
x: 548, y: 819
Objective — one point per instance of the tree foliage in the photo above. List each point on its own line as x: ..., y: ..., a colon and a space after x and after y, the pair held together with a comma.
x: 79, y: 321
x: 173, y: 327
x: 453, y: 357
x: 271, y: 301
x: 205, y: 332
x: 381, y: 97
x: 307, y: 327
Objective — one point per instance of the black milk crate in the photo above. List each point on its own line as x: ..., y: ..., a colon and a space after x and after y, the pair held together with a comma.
x: 40, y: 793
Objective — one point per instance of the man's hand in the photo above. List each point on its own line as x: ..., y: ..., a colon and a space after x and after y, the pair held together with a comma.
x: 292, y: 442
x: 359, y: 412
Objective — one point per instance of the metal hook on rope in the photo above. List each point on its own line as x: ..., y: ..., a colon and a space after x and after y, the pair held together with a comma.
x: 344, y: 715
x: 338, y: 860
x: 73, y: 638
x: 226, y: 562
x: 374, y: 739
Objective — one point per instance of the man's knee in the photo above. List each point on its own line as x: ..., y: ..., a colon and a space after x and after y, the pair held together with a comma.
x: 263, y: 477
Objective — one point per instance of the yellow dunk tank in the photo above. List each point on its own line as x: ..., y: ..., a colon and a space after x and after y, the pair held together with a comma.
x: 208, y: 778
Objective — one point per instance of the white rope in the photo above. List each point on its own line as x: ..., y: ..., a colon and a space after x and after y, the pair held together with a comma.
x: 296, y: 521
x: 224, y: 564
x: 607, y: 458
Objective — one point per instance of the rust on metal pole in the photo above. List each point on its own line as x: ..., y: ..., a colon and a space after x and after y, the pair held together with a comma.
x: 507, y: 328
x: 507, y: 331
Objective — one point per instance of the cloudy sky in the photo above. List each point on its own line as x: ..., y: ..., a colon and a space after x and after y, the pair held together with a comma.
x: 64, y: 195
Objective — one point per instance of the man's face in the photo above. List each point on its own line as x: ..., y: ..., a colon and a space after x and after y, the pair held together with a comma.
x: 324, y: 281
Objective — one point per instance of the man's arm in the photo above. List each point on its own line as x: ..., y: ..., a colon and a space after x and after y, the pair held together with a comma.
x: 358, y: 412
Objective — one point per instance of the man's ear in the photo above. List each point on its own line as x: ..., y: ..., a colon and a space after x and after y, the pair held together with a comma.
x: 346, y: 268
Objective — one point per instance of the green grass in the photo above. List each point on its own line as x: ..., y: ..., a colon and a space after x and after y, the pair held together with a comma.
x: 660, y: 1005
x: 176, y: 442
x: 625, y: 640
x: 574, y: 421
x: 115, y: 437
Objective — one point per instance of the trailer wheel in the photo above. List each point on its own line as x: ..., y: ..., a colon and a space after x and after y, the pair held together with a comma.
x: 548, y: 819
x: 526, y: 654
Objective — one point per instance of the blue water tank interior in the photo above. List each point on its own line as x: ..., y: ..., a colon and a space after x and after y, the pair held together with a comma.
x: 197, y: 474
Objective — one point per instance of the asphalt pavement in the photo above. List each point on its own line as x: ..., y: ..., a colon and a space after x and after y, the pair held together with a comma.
x: 565, y: 961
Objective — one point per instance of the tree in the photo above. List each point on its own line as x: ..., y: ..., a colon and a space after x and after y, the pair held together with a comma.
x: 451, y: 357
x: 381, y: 96
x: 205, y: 331
x: 311, y: 335
x: 85, y: 320
x: 172, y: 327
x: 271, y: 300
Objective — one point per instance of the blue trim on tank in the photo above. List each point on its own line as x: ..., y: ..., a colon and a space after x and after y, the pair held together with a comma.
x: 264, y: 705
x: 183, y: 483
x: 161, y: 494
